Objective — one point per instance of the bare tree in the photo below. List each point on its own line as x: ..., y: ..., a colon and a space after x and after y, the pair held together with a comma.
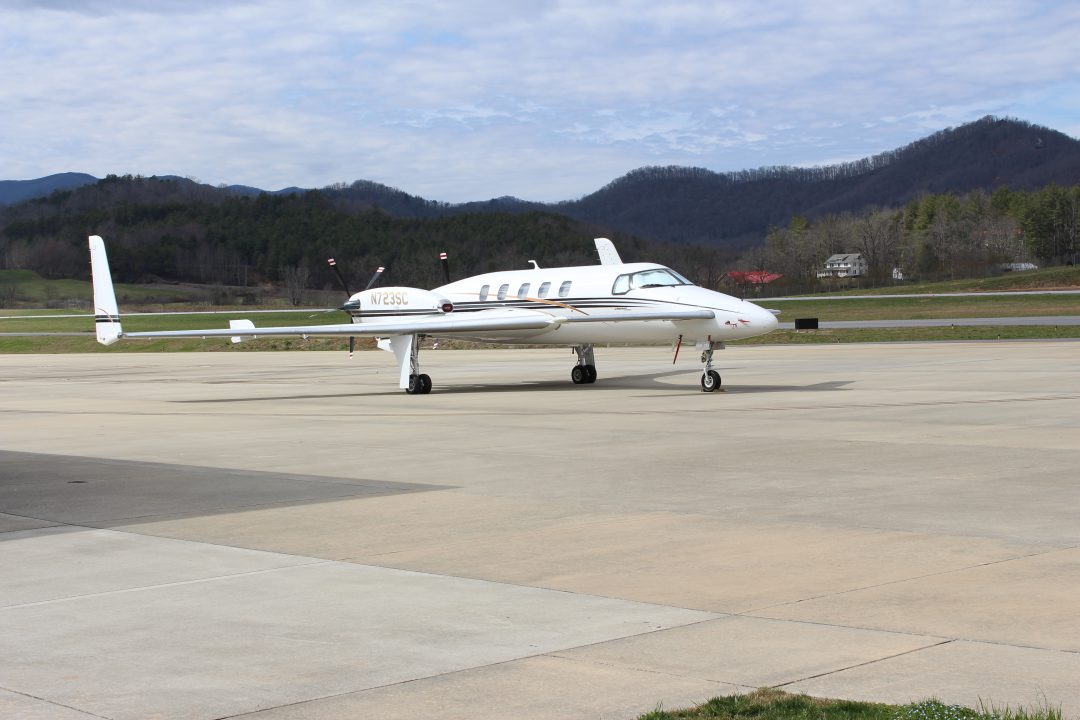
x: 879, y: 242
x: 296, y: 280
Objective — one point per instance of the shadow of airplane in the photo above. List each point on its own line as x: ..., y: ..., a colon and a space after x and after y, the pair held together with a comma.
x: 649, y: 382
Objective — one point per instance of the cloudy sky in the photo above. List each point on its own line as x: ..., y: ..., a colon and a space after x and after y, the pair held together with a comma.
x: 544, y: 100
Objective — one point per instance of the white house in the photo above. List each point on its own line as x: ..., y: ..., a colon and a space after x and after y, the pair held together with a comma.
x: 844, y: 265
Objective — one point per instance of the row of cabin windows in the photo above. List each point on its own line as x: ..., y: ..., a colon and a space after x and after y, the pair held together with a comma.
x: 523, y: 291
x: 651, y: 278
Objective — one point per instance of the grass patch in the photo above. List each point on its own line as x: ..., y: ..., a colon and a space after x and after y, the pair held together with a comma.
x: 770, y: 704
x: 925, y: 308
x: 29, y: 287
x: 1054, y: 278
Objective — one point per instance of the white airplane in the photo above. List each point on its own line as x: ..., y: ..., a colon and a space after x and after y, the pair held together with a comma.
x: 613, y: 302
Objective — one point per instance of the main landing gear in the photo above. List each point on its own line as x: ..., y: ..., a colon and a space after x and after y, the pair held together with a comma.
x: 710, y: 379
x: 419, y: 383
x: 584, y: 373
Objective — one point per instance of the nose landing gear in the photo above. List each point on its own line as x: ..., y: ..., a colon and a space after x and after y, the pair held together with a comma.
x: 710, y: 379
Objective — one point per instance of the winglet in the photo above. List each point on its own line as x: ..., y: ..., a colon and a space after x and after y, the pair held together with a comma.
x: 607, y: 252
x: 106, y: 313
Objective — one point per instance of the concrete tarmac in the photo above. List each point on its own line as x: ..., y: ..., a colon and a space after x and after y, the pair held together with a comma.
x: 288, y: 535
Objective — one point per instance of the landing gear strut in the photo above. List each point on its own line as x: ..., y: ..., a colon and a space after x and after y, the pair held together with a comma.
x: 419, y: 384
x: 584, y: 373
x: 710, y: 379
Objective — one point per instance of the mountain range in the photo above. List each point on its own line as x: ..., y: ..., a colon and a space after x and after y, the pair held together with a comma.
x: 695, y: 205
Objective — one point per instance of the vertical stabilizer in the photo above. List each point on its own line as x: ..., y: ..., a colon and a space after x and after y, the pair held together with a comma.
x: 607, y: 252
x: 106, y: 313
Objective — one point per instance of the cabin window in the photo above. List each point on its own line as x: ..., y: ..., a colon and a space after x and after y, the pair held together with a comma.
x: 543, y: 291
x: 523, y: 291
x: 564, y: 289
x: 502, y: 290
x: 621, y: 286
x: 484, y: 292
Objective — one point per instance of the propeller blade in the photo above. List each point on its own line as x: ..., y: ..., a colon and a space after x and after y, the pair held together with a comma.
x: 340, y: 277
x: 445, y: 267
x: 352, y: 345
x: 375, y: 277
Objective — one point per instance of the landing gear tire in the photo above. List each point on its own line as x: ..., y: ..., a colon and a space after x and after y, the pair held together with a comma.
x: 418, y: 385
x: 583, y: 374
x: 710, y: 381
x: 590, y: 374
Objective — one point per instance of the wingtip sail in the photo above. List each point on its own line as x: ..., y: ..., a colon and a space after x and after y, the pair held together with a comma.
x: 106, y: 312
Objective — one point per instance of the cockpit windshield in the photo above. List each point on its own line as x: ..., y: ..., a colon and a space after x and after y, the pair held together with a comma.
x: 656, y: 277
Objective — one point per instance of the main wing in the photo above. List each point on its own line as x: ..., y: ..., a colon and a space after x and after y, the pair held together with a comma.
x: 508, y: 319
x: 482, y: 321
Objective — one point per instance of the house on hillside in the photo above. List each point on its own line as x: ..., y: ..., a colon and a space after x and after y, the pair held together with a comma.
x: 844, y: 265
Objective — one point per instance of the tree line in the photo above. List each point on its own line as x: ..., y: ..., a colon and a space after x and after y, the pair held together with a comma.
x: 933, y: 237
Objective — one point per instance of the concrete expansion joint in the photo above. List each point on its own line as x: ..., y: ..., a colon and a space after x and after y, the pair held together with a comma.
x: 53, y: 702
x: 650, y: 671
x: 178, y: 583
x: 951, y: 571
x: 864, y: 664
x: 941, y: 638
x: 561, y: 591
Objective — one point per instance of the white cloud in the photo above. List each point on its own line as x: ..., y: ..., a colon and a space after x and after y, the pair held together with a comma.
x: 544, y: 100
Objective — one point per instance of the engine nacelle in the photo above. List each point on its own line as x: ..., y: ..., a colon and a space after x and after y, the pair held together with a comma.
x: 396, y: 302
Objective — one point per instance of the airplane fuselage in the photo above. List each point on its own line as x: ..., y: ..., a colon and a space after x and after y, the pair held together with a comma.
x: 569, y: 291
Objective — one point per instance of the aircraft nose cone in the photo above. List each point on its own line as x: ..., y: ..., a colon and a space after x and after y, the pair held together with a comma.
x: 762, y: 318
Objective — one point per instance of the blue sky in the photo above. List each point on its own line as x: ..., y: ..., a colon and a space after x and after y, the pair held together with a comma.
x: 469, y: 100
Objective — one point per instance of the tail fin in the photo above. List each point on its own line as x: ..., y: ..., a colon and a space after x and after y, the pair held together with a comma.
x: 106, y: 313
x: 607, y: 252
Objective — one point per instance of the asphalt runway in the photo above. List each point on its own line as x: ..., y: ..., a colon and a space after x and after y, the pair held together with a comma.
x: 288, y: 535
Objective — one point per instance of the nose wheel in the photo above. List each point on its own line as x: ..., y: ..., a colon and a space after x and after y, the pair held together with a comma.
x: 710, y: 379
x: 584, y: 373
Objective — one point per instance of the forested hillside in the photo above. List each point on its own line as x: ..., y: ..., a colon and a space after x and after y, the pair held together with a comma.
x: 178, y: 230
x: 696, y: 205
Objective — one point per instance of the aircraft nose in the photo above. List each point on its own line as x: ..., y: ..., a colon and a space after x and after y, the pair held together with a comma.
x: 763, y: 318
